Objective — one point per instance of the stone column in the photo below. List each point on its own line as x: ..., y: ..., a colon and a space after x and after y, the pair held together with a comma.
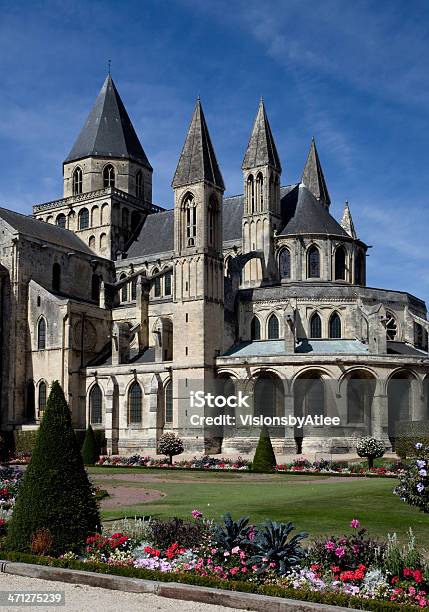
x: 380, y: 417
x: 289, y: 411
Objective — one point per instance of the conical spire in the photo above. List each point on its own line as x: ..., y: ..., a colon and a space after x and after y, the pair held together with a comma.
x: 313, y: 178
x: 261, y: 150
x: 197, y: 161
x: 347, y: 222
x: 108, y: 131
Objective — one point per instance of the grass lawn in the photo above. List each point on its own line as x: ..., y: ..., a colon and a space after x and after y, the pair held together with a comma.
x: 314, y: 504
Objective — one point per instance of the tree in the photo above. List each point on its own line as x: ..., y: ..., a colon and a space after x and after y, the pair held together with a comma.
x: 55, y: 495
x: 170, y: 445
x: 371, y: 448
x: 89, y: 447
x: 264, y: 459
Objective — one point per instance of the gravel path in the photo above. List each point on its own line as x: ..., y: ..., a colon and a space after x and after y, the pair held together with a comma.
x: 80, y: 598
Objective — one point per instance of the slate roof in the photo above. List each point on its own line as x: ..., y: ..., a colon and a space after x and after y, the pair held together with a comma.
x: 47, y: 232
x: 108, y: 131
x: 268, y: 348
x: 313, y: 177
x: 304, y: 214
x: 156, y: 236
x: 198, y: 161
x: 401, y: 348
x: 261, y: 150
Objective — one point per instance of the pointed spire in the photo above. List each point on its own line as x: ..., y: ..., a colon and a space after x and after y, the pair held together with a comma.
x: 313, y: 177
x: 108, y: 131
x: 347, y: 222
x: 261, y: 150
x: 197, y: 161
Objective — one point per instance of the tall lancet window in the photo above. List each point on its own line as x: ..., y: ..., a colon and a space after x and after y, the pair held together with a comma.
x: 250, y: 194
x: 313, y: 264
x: 260, y: 191
x: 109, y: 176
x: 139, y: 184
x: 213, y: 211
x: 190, y: 213
x: 77, y: 181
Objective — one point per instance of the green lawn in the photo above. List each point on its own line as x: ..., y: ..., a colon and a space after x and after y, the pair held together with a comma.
x: 319, y: 506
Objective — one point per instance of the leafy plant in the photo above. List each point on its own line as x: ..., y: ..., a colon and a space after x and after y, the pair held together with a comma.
x: 232, y: 533
x: 274, y: 551
x: 264, y: 459
x: 413, y: 486
x: 89, y: 447
x: 170, y: 445
x: 371, y: 448
x: 164, y: 533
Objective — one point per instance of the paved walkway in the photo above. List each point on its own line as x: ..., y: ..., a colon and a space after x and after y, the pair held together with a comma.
x: 80, y: 598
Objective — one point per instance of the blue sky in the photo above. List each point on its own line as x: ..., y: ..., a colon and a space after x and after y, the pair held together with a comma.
x: 353, y: 74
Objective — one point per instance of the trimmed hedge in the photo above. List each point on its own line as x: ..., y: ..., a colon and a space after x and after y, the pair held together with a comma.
x: 335, y: 599
x: 89, y: 448
x: 264, y: 459
x: 408, y: 433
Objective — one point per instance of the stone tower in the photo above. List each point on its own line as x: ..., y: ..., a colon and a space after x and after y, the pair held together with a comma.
x: 107, y: 180
x: 261, y: 216
x: 313, y: 177
x: 198, y: 261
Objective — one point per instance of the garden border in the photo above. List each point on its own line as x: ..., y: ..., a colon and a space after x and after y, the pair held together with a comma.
x: 173, y: 590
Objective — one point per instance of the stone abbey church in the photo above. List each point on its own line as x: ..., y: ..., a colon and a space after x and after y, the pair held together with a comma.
x: 126, y: 303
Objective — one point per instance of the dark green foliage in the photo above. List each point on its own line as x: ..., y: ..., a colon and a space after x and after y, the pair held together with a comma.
x: 264, y: 459
x: 233, y: 533
x: 271, y: 545
x: 25, y: 441
x: 408, y: 434
x: 187, y: 533
x: 338, y: 599
x: 89, y: 448
x: 55, y: 493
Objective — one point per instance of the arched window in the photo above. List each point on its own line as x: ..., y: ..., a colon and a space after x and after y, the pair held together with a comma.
x: 335, y: 326
x: 250, y: 194
x: 109, y: 176
x: 42, y: 398
x: 190, y: 219
x: 273, y: 327
x: 167, y: 283
x: 77, y: 181
x: 313, y: 262
x: 135, y: 397
x: 134, y: 289
x: 91, y: 242
x: 156, y: 284
x: 56, y: 277
x: 420, y: 337
x: 212, y: 220
x: 83, y: 219
x: 169, y: 402
x: 95, y: 287
x: 103, y: 242
x: 124, y: 289
x: 96, y: 406
x: 359, y: 268
x: 260, y: 191
x: 61, y: 221
x: 255, y: 329
x: 315, y: 326
x: 41, y: 334
x: 139, y: 185
x: 391, y: 326
x: 284, y: 264
x: 340, y: 264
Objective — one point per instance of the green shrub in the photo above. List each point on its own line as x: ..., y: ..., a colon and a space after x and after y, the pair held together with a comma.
x: 25, y: 440
x: 264, y: 459
x: 89, y: 448
x: 100, y: 439
x: 408, y: 434
x: 55, y: 493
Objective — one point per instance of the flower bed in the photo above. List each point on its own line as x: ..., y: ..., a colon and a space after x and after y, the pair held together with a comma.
x: 351, y: 570
x: 9, y: 483
x: 298, y: 466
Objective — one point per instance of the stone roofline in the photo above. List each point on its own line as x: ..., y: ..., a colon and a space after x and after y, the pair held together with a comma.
x: 99, y: 193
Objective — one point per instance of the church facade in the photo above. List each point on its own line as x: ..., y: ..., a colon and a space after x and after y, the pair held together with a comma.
x: 130, y: 305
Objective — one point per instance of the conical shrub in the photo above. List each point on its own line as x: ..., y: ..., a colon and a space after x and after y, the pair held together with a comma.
x: 264, y: 459
x: 89, y: 447
x: 55, y: 495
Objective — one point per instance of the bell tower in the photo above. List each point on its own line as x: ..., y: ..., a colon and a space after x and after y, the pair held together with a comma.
x: 261, y: 217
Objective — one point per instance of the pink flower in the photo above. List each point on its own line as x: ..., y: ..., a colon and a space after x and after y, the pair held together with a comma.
x: 196, y: 514
x: 354, y: 524
x: 226, y: 554
x: 330, y: 545
x: 213, y: 551
x: 235, y: 550
x: 340, y: 552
